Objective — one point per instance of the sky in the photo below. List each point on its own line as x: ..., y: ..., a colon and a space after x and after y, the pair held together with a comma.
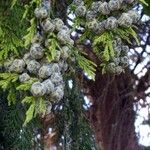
x: 142, y: 113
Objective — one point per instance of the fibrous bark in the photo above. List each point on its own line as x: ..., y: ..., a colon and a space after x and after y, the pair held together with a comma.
x: 112, y: 114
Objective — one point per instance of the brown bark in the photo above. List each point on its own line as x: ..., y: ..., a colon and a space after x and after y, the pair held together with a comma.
x: 112, y: 114
x: 50, y: 139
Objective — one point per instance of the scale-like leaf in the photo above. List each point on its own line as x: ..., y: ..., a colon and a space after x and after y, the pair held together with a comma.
x: 31, y: 32
x: 30, y: 113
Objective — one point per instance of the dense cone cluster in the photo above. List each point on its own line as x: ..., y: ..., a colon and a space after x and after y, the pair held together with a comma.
x: 121, y: 59
x: 115, y: 16
x: 126, y: 19
x: 35, y: 64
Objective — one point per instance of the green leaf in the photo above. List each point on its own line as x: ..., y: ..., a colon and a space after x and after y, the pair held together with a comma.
x: 29, y: 113
x: 13, y: 3
x: 1, y: 32
x: 24, y: 87
x: 87, y: 65
x: 31, y: 32
x: 106, y: 56
x: 6, y: 79
x: 104, y: 69
x: 111, y: 49
x: 123, y: 33
x: 27, y: 8
x: 134, y: 34
x: 104, y: 40
x: 28, y: 99
x: 144, y: 2
x: 4, y: 84
x: 52, y: 48
x: 37, y: 106
x: 6, y: 76
x: 101, y: 39
x: 40, y: 106
x: 11, y: 96
x: 37, y: 2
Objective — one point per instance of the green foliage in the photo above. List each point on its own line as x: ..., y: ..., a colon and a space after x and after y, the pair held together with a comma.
x: 13, y: 3
x: 104, y: 40
x: 12, y: 96
x: 15, y: 136
x: 13, y: 26
x: 37, y: 106
x: 144, y: 2
x: 28, y: 99
x: 29, y: 13
x: 87, y: 65
x: 26, y: 85
x: 134, y: 35
x: 103, y: 66
x: 11, y: 30
x: 40, y: 107
x: 29, y: 7
x: 37, y: 2
x: 7, y: 79
x: 30, y: 32
x: 53, y: 45
x: 17, y: 22
x: 30, y: 112
x: 103, y: 47
x: 126, y: 34
x: 106, y: 56
x: 147, y: 7
x: 8, y: 83
x: 72, y: 119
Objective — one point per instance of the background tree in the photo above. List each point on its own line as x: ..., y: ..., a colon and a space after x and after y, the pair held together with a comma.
x: 34, y: 121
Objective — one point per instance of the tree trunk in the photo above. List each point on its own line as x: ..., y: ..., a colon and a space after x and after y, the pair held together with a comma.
x: 112, y: 115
